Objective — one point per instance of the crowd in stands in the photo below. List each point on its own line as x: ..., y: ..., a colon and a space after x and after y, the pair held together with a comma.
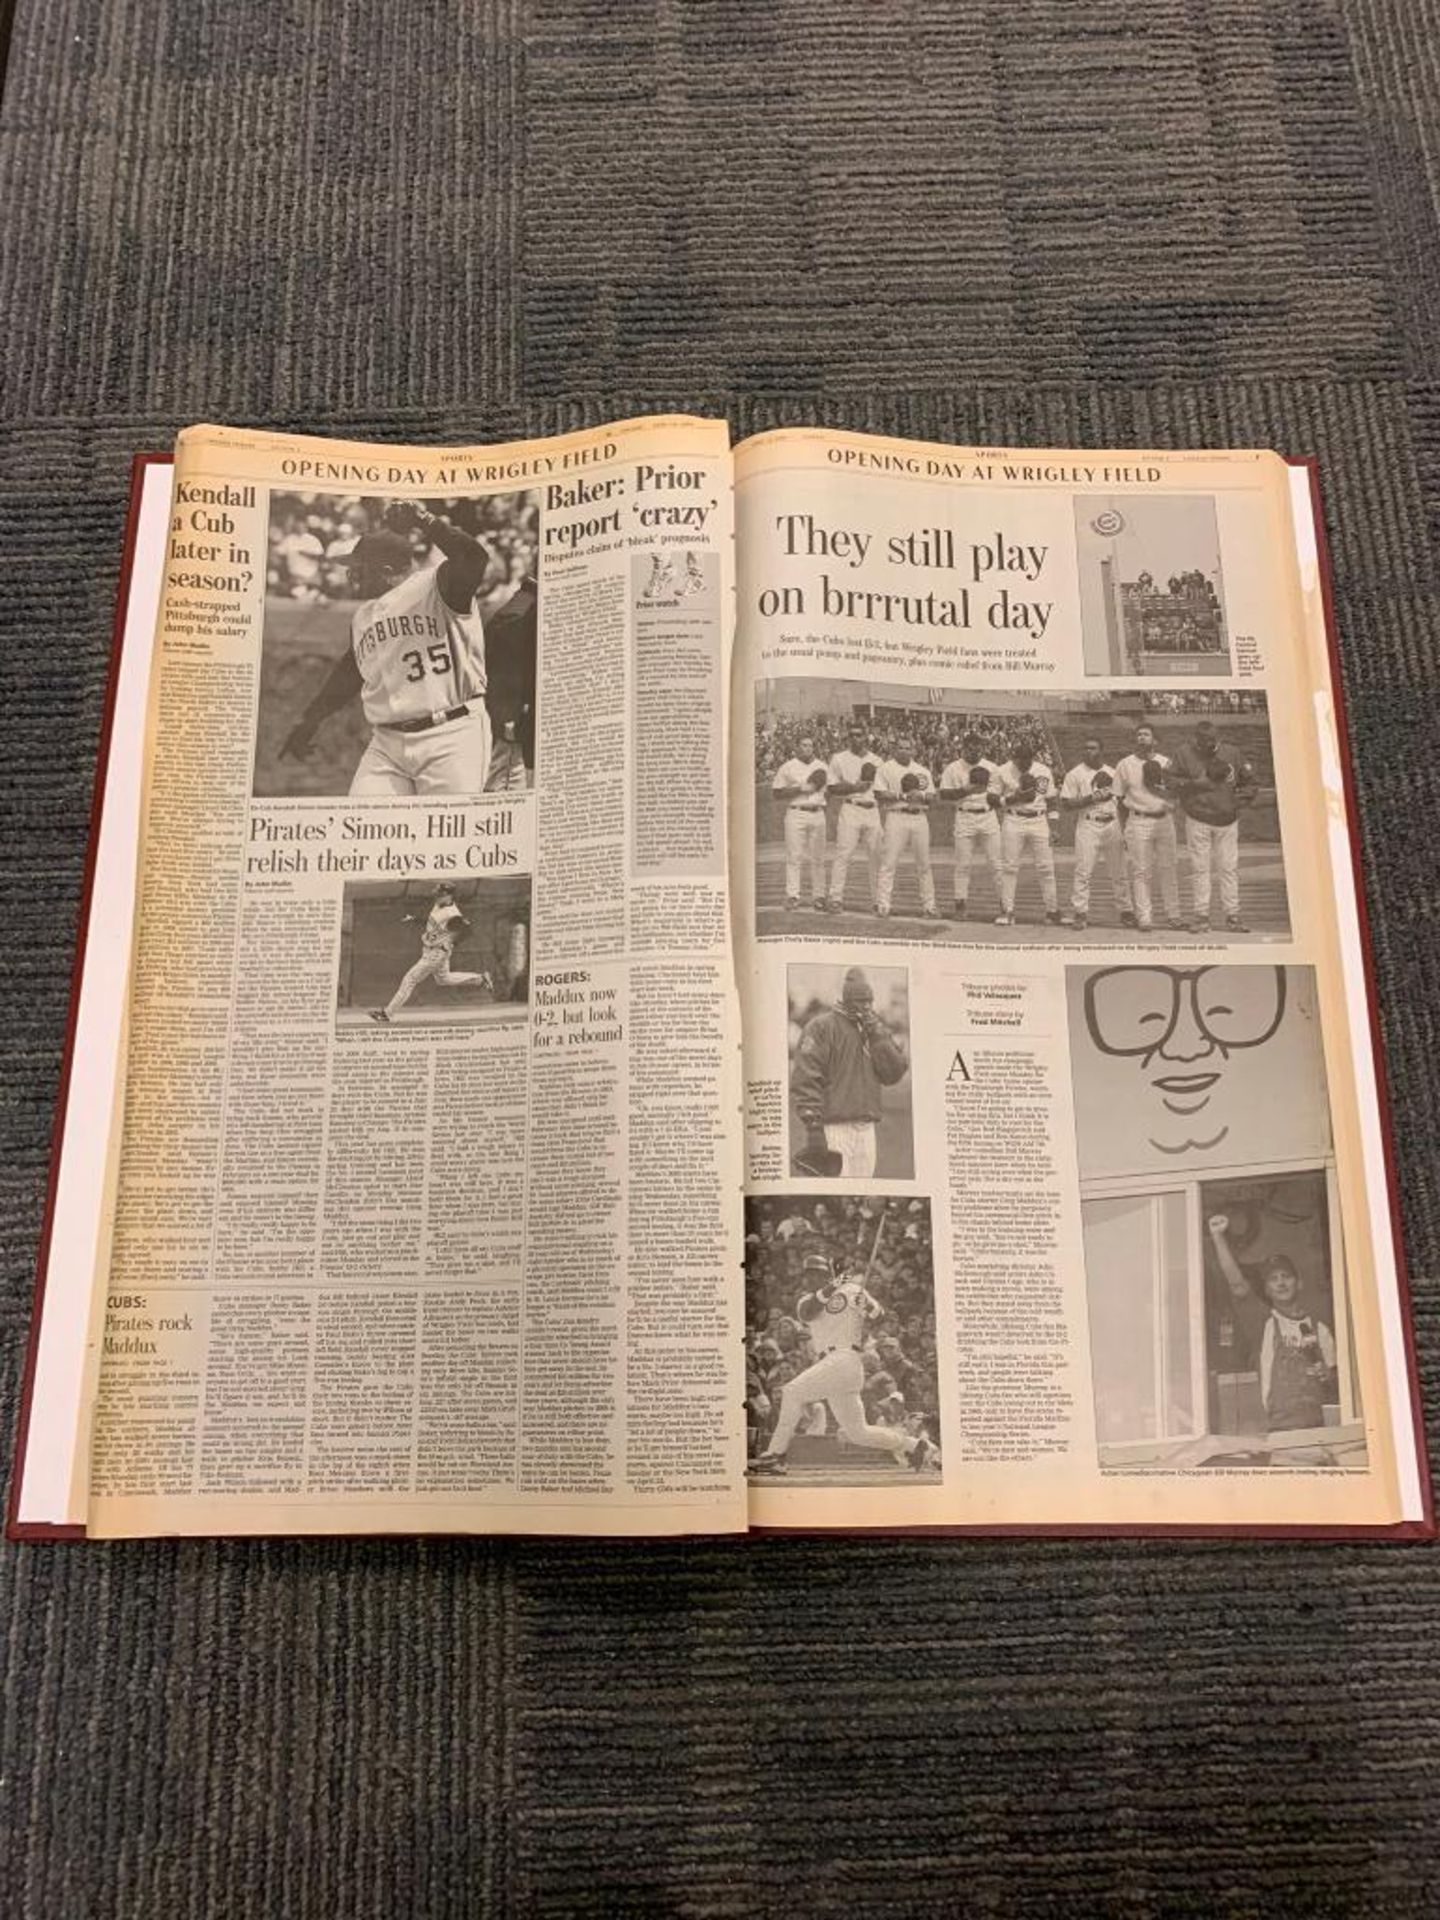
x: 1184, y: 618
x: 937, y: 736
x: 1229, y: 700
x: 311, y: 533
x: 901, y: 1377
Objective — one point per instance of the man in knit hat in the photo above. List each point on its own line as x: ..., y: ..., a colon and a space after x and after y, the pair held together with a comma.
x: 1216, y: 784
x: 845, y: 1056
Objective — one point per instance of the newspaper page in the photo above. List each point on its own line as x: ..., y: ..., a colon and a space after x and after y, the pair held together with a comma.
x: 425, y: 1206
x: 1057, y: 1211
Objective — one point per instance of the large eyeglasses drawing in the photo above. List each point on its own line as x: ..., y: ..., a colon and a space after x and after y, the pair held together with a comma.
x: 1184, y: 1013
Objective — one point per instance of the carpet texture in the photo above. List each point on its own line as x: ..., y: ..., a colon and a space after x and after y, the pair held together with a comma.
x: 1182, y: 222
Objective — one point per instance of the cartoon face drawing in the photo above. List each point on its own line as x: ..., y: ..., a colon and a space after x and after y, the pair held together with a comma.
x: 1180, y: 1026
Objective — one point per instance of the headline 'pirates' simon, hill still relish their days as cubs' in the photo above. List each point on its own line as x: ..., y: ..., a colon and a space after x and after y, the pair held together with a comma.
x: 634, y: 985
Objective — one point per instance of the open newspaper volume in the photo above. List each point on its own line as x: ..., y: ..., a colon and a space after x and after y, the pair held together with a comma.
x: 630, y: 985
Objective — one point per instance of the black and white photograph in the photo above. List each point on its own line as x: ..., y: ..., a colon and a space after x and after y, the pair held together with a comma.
x: 849, y: 1048
x: 669, y: 577
x: 433, y: 953
x: 399, y: 649
x: 1152, y: 594
x: 841, y: 1378
x: 1214, y: 1263
x: 945, y: 814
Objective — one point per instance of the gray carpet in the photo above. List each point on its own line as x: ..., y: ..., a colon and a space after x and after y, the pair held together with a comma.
x: 1097, y: 223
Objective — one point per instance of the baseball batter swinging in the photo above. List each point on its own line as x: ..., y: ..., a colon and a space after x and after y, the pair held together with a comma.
x: 443, y: 926
x: 416, y: 659
x: 837, y: 1313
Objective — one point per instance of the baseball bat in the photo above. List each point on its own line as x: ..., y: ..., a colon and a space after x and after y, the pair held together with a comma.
x: 875, y: 1244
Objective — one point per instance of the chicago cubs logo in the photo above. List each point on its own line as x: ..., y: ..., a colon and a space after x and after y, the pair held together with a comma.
x: 1108, y: 523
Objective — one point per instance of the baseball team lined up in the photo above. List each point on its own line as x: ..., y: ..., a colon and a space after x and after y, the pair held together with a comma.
x: 1125, y: 820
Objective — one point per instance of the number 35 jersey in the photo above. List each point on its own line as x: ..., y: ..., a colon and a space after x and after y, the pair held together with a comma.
x: 416, y: 655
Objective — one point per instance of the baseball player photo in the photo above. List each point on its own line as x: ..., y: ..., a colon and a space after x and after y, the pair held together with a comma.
x: 398, y: 657
x: 849, y: 1049
x: 1027, y: 799
x: 1088, y: 792
x: 801, y: 784
x: 950, y: 815
x: 673, y: 577
x: 1216, y: 783
x: 971, y: 784
x: 427, y: 954
x: 851, y: 782
x: 1148, y: 798
x: 905, y: 788
x: 840, y: 1361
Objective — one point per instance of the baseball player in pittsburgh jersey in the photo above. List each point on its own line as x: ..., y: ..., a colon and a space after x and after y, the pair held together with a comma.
x: 857, y: 830
x: 443, y: 925
x: 801, y: 784
x: 837, y: 1313
x: 1150, y: 847
x: 972, y: 785
x: 416, y: 659
x: 1088, y: 791
x: 905, y: 790
x: 1027, y: 787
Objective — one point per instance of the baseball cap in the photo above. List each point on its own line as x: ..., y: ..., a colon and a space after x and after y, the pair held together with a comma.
x: 384, y: 548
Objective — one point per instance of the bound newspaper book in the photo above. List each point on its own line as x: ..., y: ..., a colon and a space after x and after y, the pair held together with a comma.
x: 630, y: 985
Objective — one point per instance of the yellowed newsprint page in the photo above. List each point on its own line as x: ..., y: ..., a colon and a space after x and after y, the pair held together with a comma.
x: 426, y: 1204
x: 1057, y: 1209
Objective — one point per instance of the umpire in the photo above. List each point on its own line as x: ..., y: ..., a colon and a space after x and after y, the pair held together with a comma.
x: 845, y: 1056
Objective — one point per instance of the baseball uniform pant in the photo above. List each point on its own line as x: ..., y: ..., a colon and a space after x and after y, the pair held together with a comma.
x: 1214, y: 850
x: 1150, y: 853
x: 517, y: 955
x: 433, y: 964
x: 905, y: 833
x: 804, y: 846
x: 976, y: 835
x: 451, y: 758
x: 837, y: 1378
x: 508, y: 772
x: 856, y: 831
x: 854, y: 1141
x: 1016, y: 836
x: 1099, y: 845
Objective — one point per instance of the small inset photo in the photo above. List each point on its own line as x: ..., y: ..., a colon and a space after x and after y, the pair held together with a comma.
x: 671, y: 577
x: 398, y: 652
x: 849, y: 1046
x: 841, y: 1378
x: 430, y: 953
x: 1152, y: 597
x: 1214, y: 1263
